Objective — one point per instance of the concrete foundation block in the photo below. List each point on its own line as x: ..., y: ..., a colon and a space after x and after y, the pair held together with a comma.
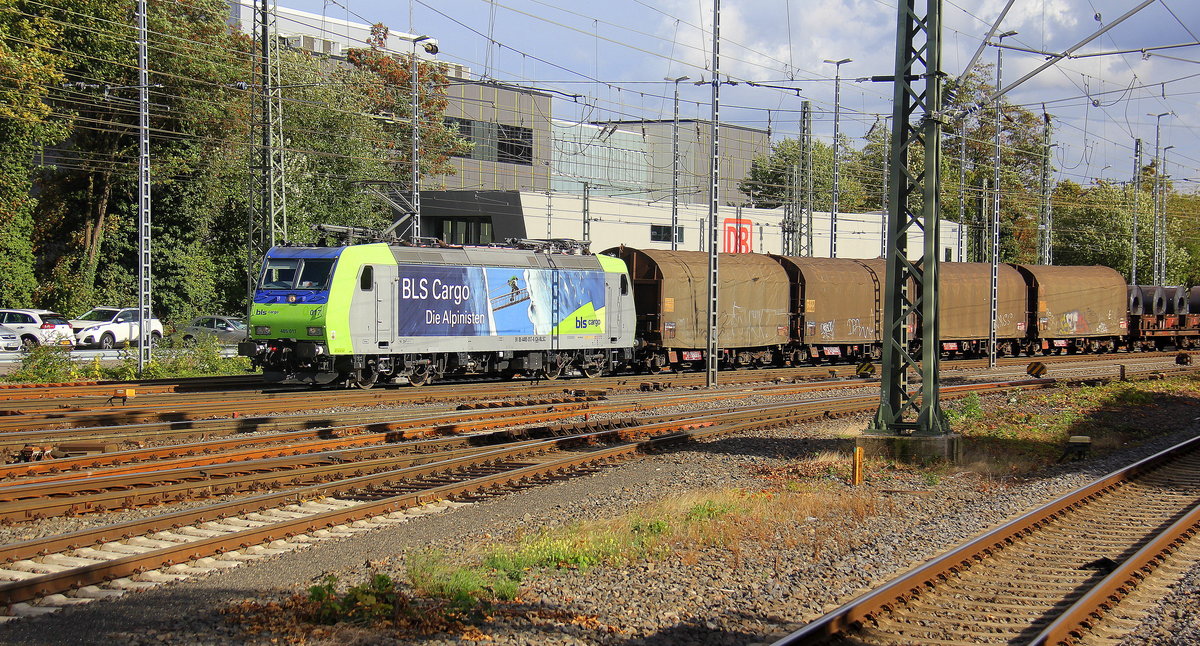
x: 913, y: 449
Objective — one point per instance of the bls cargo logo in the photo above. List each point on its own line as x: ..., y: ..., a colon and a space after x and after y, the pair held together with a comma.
x: 738, y: 235
x: 584, y: 323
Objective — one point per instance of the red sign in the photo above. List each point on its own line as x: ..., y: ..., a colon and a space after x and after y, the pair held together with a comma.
x: 738, y: 233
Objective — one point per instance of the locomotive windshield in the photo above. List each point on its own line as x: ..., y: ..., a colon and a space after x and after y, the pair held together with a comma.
x: 297, y: 273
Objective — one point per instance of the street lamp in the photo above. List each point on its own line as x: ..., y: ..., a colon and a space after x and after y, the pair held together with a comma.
x: 1161, y: 177
x: 996, y: 205
x: 431, y: 47
x: 675, y: 165
x: 1158, y: 252
x: 837, y: 109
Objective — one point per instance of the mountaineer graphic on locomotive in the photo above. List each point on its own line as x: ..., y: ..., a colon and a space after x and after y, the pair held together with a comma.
x: 363, y: 314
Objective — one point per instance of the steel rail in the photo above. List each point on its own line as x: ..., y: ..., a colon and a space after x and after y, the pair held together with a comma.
x: 318, y: 438
x: 21, y: 503
x: 1073, y: 624
x: 910, y: 585
x: 15, y: 591
x: 745, y: 418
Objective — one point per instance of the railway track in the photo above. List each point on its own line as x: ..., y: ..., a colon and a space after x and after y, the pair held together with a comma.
x: 1048, y: 577
x: 312, y: 485
x: 76, y: 563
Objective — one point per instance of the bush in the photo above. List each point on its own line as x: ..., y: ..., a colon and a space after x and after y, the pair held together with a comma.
x: 170, y: 359
x: 45, y: 364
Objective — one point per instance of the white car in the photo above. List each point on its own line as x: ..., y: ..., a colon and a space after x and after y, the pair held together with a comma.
x: 107, y: 327
x: 10, y: 341
x: 39, y: 327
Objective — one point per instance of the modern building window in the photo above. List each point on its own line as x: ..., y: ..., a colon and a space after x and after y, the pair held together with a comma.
x: 495, y: 141
x: 515, y: 145
x: 660, y: 233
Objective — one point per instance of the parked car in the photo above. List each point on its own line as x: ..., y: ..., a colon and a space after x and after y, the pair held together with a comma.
x: 39, y: 327
x: 106, y: 327
x: 10, y: 340
x: 229, y: 330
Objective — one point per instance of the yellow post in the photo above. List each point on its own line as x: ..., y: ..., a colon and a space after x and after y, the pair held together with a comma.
x: 856, y: 474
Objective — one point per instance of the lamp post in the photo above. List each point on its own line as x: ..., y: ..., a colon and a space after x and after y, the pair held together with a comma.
x: 675, y: 165
x: 996, y: 205
x: 1157, y: 260
x: 837, y: 110
x: 431, y: 47
x: 1161, y: 176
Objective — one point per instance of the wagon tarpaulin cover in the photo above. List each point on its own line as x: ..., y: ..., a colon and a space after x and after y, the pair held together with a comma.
x: 1077, y: 301
x: 499, y: 301
x: 838, y: 299
x: 965, y: 301
x: 752, y: 297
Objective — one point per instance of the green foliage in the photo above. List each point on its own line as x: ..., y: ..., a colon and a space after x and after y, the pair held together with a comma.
x: 48, y: 364
x: 656, y: 527
x: 966, y: 409
x: 465, y: 588
x: 366, y: 603
x: 709, y: 510
x: 341, y: 125
x: 45, y: 364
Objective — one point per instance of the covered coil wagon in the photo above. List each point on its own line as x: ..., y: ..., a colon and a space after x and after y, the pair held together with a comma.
x: 835, y: 303
x: 671, y: 295
x: 964, y: 307
x: 1076, y: 308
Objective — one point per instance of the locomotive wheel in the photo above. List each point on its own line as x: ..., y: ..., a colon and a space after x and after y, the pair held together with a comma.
x: 558, y: 367
x: 419, y: 375
x: 366, y: 378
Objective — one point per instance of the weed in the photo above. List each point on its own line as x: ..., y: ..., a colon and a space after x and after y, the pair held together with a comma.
x: 45, y: 364
x: 366, y: 603
x: 708, y: 510
x: 656, y: 527
x: 967, y: 409
x: 930, y: 478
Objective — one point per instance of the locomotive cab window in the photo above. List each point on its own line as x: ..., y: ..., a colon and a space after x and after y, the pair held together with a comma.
x: 624, y: 284
x: 366, y: 282
x: 280, y: 273
x: 314, y: 273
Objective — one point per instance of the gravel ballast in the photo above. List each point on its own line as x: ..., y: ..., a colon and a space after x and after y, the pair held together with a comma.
x: 712, y: 596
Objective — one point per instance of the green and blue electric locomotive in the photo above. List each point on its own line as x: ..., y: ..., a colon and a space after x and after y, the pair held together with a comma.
x: 380, y: 313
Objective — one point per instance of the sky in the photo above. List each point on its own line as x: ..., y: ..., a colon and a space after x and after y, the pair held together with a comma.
x: 608, y: 60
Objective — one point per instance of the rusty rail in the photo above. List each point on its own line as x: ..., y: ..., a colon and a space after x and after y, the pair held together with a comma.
x: 912, y: 584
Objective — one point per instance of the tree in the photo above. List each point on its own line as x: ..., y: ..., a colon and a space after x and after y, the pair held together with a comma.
x: 30, y: 64
x: 770, y: 178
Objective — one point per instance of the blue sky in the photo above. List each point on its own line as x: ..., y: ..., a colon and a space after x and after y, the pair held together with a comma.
x: 614, y: 55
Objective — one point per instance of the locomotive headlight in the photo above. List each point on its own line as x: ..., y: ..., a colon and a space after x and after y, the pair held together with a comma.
x: 316, y: 330
x: 262, y: 330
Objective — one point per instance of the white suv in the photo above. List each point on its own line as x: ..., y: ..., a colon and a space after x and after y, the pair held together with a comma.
x: 107, y: 327
x: 39, y: 327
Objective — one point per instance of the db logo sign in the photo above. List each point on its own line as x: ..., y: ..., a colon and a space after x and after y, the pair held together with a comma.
x: 738, y: 235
